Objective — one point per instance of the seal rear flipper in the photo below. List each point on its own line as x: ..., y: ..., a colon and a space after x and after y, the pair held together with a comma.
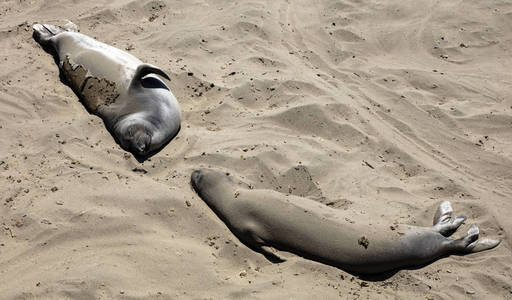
x: 146, y: 69
x: 44, y: 32
x: 482, y: 245
x: 471, y: 243
x: 444, y: 223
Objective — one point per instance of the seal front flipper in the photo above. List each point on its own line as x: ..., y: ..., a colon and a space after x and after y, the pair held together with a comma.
x: 146, y: 69
x: 258, y: 244
x: 269, y: 254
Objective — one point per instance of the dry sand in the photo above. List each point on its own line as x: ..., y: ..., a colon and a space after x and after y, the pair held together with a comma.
x: 384, y: 108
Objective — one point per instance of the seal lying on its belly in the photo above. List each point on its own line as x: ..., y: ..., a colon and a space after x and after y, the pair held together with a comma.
x: 137, y: 107
x: 265, y: 218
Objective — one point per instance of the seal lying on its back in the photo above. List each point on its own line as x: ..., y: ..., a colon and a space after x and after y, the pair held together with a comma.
x: 263, y: 218
x: 137, y: 107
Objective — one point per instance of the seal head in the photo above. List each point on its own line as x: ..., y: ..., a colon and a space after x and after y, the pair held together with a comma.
x: 137, y: 138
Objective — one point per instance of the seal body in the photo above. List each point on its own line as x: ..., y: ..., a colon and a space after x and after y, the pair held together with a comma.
x: 138, y: 108
x: 265, y: 218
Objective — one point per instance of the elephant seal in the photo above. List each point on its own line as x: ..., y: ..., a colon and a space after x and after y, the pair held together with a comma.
x: 137, y: 107
x: 265, y: 218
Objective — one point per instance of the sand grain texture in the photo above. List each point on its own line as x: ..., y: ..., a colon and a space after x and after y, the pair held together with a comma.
x: 383, y: 108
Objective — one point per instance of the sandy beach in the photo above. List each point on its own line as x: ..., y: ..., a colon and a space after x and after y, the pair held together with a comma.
x: 382, y: 108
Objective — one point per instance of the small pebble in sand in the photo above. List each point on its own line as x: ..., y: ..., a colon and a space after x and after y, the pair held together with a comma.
x: 243, y: 273
x: 363, y: 241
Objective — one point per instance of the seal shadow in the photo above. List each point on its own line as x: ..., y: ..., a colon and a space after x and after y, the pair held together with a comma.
x: 389, y: 274
x: 147, y: 82
x: 375, y: 277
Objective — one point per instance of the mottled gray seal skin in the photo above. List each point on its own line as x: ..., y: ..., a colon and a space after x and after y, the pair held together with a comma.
x: 138, y: 108
x: 265, y: 218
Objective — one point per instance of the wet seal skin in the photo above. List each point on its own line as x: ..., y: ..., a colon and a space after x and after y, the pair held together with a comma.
x: 97, y: 92
x: 93, y: 91
x: 75, y: 74
x: 266, y: 219
x: 137, y: 107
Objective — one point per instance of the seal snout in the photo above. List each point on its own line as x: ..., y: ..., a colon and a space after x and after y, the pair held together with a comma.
x: 204, y: 179
x: 195, y: 178
x: 140, y: 140
x: 141, y: 147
